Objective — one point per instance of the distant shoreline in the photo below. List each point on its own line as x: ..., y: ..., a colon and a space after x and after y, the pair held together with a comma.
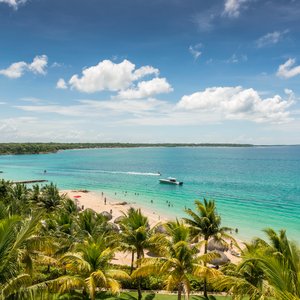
x: 47, y: 148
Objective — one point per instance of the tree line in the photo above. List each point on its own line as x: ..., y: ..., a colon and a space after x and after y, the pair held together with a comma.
x: 37, y: 148
x: 50, y: 249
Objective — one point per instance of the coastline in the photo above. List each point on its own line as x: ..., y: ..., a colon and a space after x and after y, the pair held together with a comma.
x: 96, y: 201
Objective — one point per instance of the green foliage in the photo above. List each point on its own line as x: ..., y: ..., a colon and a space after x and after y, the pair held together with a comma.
x: 51, y: 250
x: 36, y: 148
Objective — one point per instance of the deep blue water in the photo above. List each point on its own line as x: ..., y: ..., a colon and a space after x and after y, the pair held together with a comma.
x: 254, y: 188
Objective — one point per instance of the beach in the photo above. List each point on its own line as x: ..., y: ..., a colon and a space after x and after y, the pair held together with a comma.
x: 100, y: 202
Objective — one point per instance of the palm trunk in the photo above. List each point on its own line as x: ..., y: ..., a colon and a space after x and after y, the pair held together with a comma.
x: 132, y: 261
x: 179, y: 291
x: 139, y: 288
x: 205, y: 280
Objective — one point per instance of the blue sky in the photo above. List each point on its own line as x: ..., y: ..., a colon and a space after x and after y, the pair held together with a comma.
x: 150, y: 71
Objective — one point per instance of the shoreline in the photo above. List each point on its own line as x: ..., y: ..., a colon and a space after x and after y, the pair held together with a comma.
x: 96, y: 201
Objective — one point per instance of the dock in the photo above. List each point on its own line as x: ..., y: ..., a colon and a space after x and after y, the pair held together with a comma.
x: 29, y: 181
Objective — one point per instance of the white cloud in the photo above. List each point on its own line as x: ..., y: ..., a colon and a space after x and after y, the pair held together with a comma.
x: 232, y: 8
x: 144, y: 71
x: 287, y: 70
x: 147, y: 89
x: 13, y: 3
x: 61, y: 84
x: 107, y: 75
x: 238, y: 103
x: 39, y: 65
x: 94, y: 108
x: 17, y: 69
x: 195, y: 51
x: 271, y: 38
x: 234, y: 59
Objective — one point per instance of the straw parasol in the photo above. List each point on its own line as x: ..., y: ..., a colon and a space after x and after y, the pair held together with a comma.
x: 106, y: 214
x: 216, y: 245
x: 221, y: 260
x: 118, y: 220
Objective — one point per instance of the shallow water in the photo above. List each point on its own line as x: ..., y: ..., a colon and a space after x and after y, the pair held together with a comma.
x: 254, y: 188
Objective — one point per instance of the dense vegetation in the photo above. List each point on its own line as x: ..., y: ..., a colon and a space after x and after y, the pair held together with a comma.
x: 49, y: 249
x: 36, y: 148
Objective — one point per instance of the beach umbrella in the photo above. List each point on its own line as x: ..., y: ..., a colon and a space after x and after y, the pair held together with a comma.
x: 216, y: 245
x: 221, y: 260
x: 114, y: 227
x: 152, y: 254
x: 106, y: 214
x: 77, y: 196
x: 118, y: 220
x: 160, y: 229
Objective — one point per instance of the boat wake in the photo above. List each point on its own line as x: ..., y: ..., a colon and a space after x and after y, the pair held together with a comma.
x: 111, y: 172
x: 132, y: 173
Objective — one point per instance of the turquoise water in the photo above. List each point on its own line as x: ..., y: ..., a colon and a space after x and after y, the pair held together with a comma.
x: 254, y: 188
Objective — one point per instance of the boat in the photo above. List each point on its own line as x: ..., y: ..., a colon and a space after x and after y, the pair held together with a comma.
x: 171, y: 180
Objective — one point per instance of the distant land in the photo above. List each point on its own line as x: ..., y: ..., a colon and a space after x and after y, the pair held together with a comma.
x: 40, y: 148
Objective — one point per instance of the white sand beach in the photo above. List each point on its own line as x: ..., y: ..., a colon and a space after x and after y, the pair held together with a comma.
x: 96, y: 201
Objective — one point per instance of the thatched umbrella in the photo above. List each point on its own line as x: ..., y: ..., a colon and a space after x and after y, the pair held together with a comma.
x: 118, y: 220
x: 216, y: 245
x: 221, y: 260
x: 114, y: 227
x: 160, y: 229
x: 106, y: 214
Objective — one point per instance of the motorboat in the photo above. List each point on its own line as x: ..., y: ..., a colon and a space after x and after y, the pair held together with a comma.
x: 171, y: 180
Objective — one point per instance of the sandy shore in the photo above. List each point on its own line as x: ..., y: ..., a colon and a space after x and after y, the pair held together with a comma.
x: 96, y: 201
x: 100, y: 202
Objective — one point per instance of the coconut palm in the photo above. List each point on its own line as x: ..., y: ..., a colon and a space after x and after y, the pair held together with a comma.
x: 50, y: 199
x: 135, y: 237
x: 15, y: 234
x: 206, y: 223
x: 178, y: 261
x: 88, y: 269
x: 268, y: 269
x: 89, y: 224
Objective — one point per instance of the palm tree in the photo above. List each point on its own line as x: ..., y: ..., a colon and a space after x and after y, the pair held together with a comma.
x: 268, y: 269
x: 89, y: 268
x: 178, y: 260
x: 50, y: 199
x: 89, y: 224
x: 135, y: 237
x: 15, y: 233
x: 205, y: 223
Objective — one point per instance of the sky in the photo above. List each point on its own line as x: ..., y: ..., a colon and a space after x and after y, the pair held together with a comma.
x: 185, y: 71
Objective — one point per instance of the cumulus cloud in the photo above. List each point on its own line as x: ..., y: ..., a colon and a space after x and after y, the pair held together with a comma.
x: 110, y: 76
x: 145, y: 89
x: 195, y: 51
x: 61, y: 84
x: 13, y: 3
x: 238, y: 103
x: 288, y: 70
x: 271, y: 38
x: 232, y: 8
x: 17, y: 69
x: 39, y: 65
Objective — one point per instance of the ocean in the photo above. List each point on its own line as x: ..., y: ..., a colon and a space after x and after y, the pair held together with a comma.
x: 254, y: 188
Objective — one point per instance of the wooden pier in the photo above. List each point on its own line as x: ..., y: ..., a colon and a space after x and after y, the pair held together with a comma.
x: 29, y: 181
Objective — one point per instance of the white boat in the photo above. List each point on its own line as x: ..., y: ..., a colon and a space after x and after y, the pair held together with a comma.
x: 171, y: 180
